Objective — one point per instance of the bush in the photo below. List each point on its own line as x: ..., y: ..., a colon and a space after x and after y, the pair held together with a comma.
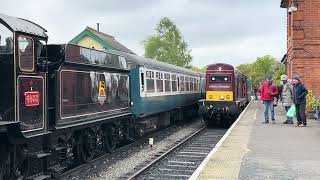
x: 311, y: 101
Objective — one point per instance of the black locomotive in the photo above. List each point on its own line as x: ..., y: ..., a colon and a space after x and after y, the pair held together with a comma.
x: 62, y: 105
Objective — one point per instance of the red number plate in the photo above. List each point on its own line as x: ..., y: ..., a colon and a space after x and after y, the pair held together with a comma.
x: 32, y: 98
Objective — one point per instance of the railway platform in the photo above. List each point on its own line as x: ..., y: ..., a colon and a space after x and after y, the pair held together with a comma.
x: 252, y: 150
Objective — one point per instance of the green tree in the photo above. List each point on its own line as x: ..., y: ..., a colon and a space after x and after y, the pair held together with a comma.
x: 199, y: 70
x: 262, y: 68
x: 168, y: 45
x: 279, y: 71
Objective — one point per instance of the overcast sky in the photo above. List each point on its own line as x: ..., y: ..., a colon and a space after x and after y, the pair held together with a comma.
x: 231, y: 31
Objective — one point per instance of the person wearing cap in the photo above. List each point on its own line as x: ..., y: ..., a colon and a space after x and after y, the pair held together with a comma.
x: 268, y: 93
x: 299, y: 99
x: 287, y: 94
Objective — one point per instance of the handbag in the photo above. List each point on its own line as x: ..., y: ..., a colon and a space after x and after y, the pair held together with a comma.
x: 292, y: 111
x: 275, y: 102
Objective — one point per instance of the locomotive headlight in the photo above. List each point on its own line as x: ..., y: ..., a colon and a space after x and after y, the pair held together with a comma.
x: 213, y: 78
x: 225, y: 79
x: 221, y: 97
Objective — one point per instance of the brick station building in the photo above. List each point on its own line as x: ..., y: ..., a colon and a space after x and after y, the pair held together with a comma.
x: 303, y: 41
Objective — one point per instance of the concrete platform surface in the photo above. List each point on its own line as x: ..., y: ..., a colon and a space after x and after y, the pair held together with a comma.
x: 253, y: 150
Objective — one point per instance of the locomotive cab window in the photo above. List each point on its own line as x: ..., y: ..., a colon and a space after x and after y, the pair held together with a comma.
x: 26, y: 53
x: 219, y: 79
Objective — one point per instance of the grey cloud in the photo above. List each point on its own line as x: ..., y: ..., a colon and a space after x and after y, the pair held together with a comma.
x: 233, y: 31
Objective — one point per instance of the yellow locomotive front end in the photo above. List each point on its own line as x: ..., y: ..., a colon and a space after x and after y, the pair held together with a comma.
x: 219, y: 96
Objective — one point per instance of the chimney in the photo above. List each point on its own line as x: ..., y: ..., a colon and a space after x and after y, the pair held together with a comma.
x: 98, y: 27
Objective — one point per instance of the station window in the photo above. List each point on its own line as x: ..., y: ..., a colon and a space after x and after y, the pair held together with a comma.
x: 167, y: 83
x: 26, y: 53
x: 159, y: 81
x: 150, y: 81
x: 187, y: 79
x: 182, y: 83
x: 174, y: 82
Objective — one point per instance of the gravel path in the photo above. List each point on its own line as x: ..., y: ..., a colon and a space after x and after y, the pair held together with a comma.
x: 124, y: 162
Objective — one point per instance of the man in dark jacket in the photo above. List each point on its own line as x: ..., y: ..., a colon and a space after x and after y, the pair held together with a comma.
x: 299, y: 99
x: 268, y: 93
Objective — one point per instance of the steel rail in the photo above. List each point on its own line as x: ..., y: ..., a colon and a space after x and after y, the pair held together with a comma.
x: 107, y: 155
x: 148, y: 166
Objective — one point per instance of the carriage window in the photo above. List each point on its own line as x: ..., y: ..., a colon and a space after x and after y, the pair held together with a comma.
x: 142, y: 81
x: 187, y: 83
x: 150, y: 81
x: 123, y: 62
x: 191, y: 84
x: 196, y: 87
x: 26, y: 56
x: 167, y: 82
x: 182, y: 83
x: 159, y: 81
x: 85, y: 55
x: 174, y: 82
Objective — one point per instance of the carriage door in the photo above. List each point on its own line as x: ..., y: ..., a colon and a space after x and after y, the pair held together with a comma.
x: 30, y: 86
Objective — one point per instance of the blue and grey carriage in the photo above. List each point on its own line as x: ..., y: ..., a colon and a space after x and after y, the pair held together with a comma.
x: 161, y: 93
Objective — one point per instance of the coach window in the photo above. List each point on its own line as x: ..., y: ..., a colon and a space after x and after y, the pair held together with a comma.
x: 196, y: 84
x: 123, y: 62
x: 182, y: 83
x: 187, y: 83
x: 26, y: 53
x: 191, y: 84
x: 174, y: 82
x: 85, y: 55
x: 150, y: 81
x: 142, y: 81
x: 159, y: 81
x: 167, y: 83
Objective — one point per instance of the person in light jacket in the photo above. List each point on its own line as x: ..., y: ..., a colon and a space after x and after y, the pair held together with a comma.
x: 287, y: 95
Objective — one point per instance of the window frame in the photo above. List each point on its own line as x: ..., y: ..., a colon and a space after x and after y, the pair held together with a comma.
x: 19, y: 56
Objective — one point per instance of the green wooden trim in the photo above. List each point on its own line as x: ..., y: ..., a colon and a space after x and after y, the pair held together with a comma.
x: 86, y: 32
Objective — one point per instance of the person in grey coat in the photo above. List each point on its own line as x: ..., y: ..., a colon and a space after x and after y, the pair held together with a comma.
x: 287, y: 96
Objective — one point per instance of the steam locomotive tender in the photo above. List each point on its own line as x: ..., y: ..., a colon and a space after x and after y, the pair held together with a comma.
x: 226, y: 94
x: 62, y: 105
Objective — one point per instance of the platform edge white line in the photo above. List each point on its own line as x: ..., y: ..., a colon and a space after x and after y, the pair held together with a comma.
x: 197, y: 172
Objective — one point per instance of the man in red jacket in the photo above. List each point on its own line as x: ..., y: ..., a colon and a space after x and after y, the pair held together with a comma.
x: 268, y: 93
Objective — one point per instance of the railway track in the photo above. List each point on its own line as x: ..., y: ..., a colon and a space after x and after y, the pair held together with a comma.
x: 181, y: 160
x: 74, y: 172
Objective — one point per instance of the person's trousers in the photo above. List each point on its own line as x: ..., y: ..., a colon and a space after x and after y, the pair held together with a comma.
x: 268, y: 105
x: 289, y: 119
x: 301, y: 113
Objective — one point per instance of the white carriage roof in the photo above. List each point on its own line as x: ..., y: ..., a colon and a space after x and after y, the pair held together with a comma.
x: 22, y: 25
x: 155, y: 64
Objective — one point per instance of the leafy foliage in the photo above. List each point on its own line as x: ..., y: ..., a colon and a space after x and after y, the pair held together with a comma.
x: 311, y: 101
x: 167, y: 45
x: 262, y: 68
